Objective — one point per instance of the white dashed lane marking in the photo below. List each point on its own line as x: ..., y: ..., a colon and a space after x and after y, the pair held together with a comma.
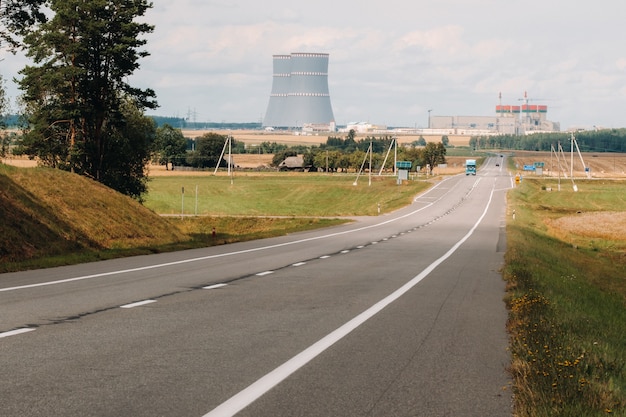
x: 212, y: 287
x: 16, y: 332
x: 138, y: 304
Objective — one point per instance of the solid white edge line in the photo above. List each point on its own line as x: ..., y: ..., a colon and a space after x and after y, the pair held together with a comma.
x: 16, y: 332
x: 138, y: 303
x: 250, y: 394
x: 221, y: 255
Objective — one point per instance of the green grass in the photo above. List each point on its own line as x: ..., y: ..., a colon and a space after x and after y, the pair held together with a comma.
x: 567, y: 306
x: 311, y: 195
x: 53, y: 218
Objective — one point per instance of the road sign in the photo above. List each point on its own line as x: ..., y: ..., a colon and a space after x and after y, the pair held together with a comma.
x: 403, y: 164
x: 529, y: 167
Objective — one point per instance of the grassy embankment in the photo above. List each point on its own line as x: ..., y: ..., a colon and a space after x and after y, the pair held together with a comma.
x: 52, y: 218
x: 566, y: 271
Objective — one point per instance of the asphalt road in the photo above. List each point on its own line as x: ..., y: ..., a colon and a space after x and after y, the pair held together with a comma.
x: 395, y: 315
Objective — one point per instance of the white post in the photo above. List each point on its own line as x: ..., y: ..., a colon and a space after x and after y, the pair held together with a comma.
x: 571, y: 167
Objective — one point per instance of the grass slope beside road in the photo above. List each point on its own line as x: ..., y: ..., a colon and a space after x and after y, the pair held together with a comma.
x: 53, y: 218
x: 567, y: 298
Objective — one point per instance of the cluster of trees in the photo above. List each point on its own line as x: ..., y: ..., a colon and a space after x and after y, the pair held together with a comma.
x: 604, y: 140
x: 172, y: 149
x: 333, y: 158
x: 82, y: 115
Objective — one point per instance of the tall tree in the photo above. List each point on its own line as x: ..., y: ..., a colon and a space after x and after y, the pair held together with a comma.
x: 434, y: 154
x: 209, y: 147
x: 76, y: 92
x: 130, y: 146
x: 170, y: 146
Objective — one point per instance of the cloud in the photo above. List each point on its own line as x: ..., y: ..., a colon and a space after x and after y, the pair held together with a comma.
x: 389, y: 63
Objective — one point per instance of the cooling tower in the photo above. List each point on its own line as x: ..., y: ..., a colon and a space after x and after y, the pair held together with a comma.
x: 299, y: 91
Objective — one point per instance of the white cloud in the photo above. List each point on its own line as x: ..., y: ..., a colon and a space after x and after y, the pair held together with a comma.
x: 389, y: 62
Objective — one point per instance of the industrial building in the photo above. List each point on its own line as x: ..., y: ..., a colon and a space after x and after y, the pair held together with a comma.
x: 300, y: 96
x: 508, y: 119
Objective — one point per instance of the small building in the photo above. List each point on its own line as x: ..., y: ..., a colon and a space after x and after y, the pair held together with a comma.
x: 292, y: 163
x: 364, y: 127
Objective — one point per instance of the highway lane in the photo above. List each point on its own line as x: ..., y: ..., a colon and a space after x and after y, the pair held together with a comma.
x: 59, y: 293
x: 438, y: 349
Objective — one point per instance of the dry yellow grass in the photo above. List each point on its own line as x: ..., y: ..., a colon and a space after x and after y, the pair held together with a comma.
x: 609, y: 225
x: 602, y: 225
x: 255, y: 137
x: 602, y: 165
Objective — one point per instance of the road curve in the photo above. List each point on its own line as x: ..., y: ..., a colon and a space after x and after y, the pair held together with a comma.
x: 399, y: 314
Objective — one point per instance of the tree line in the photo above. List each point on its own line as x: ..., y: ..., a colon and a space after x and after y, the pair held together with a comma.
x: 602, y: 140
x: 172, y: 149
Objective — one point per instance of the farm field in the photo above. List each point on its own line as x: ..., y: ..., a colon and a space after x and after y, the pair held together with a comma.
x: 602, y: 165
x: 279, y: 194
x: 255, y: 137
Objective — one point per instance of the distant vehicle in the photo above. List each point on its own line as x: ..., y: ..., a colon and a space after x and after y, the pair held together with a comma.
x: 497, y: 164
x: 470, y: 167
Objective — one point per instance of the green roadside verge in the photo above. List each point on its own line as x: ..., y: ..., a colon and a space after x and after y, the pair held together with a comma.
x: 567, y: 298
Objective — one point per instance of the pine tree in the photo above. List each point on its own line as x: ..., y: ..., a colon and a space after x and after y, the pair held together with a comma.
x: 77, y: 93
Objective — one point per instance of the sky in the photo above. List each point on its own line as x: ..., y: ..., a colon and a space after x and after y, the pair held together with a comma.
x: 391, y: 61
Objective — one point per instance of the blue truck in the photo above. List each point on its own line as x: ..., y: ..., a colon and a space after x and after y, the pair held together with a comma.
x: 470, y: 167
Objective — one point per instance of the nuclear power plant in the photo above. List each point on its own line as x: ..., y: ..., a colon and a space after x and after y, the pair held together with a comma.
x: 300, y: 96
x: 509, y: 119
x: 300, y: 100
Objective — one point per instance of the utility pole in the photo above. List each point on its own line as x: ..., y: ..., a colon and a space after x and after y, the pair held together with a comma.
x: 370, y: 176
x: 230, y: 157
